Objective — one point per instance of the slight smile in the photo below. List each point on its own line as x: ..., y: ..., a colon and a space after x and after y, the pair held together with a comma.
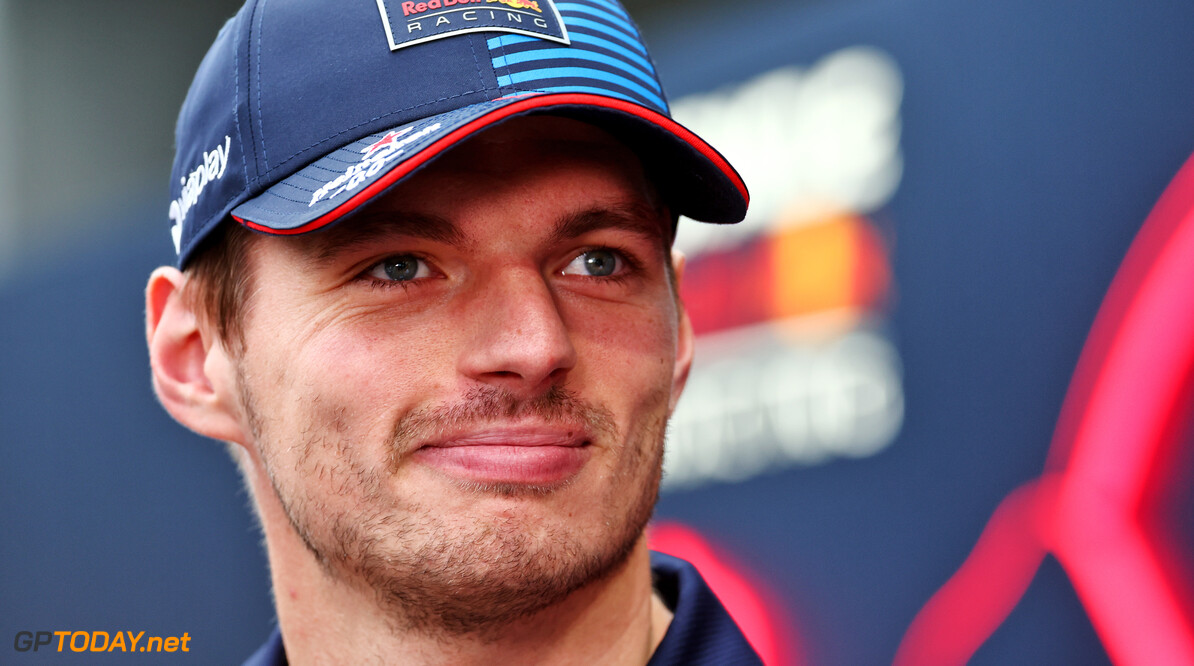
x: 514, y: 456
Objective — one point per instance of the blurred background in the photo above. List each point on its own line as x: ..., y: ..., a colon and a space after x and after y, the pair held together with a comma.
x: 943, y: 192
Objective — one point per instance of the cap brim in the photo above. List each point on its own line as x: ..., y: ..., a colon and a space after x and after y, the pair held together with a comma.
x: 692, y: 177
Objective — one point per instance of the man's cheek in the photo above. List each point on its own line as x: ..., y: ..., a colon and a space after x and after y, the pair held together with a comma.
x: 625, y: 335
x: 380, y: 361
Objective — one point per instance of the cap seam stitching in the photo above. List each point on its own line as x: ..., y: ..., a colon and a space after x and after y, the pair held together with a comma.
x: 477, y: 64
x: 260, y: 122
x: 248, y: 92
x: 502, y: 48
x: 240, y: 140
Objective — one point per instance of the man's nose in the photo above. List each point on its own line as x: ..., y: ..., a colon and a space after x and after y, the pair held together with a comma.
x: 519, y: 339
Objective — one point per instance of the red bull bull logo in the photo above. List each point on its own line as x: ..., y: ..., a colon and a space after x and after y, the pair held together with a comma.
x: 520, y: 4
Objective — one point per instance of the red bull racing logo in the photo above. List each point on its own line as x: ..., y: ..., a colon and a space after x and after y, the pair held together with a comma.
x: 410, y: 22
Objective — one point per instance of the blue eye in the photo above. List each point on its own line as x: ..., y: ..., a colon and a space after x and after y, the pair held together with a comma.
x: 595, y: 263
x: 400, y: 268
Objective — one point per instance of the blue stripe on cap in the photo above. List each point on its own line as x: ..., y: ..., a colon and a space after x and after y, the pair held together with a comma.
x: 591, y: 11
x: 581, y: 73
x: 629, y: 40
x: 576, y: 54
x: 575, y: 22
x: 612, y: 6
x: 577, y: 38
x: 509, y: 40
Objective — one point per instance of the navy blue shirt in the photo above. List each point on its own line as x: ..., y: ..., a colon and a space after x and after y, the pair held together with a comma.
x: 701, y: 632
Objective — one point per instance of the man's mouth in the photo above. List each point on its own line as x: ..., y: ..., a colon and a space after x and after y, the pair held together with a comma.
x: 541, y: 456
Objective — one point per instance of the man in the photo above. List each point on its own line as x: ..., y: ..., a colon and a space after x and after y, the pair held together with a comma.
x: 426, y: 294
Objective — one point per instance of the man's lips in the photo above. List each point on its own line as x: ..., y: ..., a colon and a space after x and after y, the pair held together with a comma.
x: 540, y: 456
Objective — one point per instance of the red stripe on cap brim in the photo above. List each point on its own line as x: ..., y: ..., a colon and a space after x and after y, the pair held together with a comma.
x: 463, y: 132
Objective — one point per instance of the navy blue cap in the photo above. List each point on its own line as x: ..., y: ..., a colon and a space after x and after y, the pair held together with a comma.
x: 302, y: 111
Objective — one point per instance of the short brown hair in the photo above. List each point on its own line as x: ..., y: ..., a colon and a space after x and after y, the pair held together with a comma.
x: 219, y: 278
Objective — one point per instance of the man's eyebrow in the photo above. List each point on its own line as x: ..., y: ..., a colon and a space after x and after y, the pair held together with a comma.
x: 638, y: 218
x: 366, y: 228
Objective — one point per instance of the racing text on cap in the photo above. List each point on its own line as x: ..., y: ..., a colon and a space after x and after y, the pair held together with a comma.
x: 410, y: 22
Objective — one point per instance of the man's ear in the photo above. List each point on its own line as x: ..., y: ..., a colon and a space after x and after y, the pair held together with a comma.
x: 192, y: 373
x: 684, y: 338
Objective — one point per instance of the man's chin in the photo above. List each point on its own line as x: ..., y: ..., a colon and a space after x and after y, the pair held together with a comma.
x: 483, y: 579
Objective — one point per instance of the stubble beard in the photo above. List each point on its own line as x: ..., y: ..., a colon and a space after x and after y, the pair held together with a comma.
x: 450, y: 576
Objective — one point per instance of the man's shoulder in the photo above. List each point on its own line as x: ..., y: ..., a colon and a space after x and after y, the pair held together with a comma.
x: 701, y: 632
x: 272, y: 653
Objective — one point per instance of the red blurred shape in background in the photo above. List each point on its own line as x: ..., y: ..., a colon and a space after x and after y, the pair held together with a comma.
x: 1096, y: 509
x: 760, y: 618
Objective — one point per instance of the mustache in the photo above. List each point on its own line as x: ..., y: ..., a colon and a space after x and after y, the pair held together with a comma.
x: 482, y: 405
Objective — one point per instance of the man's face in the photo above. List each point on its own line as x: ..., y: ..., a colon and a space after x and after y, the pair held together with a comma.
x: 460, y: 394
